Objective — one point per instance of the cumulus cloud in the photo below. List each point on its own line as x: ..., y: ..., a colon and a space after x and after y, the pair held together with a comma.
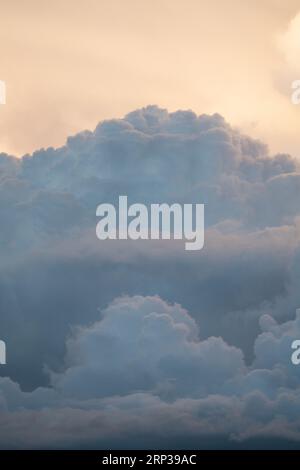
x: 141, y: 375
x: 55, y: 276
x: 143, y: 344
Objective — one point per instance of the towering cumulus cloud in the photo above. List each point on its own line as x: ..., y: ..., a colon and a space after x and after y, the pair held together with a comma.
x: 141, y: 343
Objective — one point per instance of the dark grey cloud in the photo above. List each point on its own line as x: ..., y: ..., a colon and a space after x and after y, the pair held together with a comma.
x: 55, y: 278
x: 141, y: 376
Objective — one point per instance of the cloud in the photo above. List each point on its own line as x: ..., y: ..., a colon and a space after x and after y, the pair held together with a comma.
x: 55, y: 277
x: 289, y: 42
x: 141, y: 375
x: 143, y: 344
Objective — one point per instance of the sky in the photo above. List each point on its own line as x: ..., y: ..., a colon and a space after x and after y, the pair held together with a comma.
x: 141, y: 343
x: 78, y: 62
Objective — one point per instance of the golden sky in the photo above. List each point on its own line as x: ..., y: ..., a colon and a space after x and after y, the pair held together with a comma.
x: 68, y: 64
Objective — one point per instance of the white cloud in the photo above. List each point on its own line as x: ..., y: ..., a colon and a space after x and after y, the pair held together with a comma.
x: 289, y: 42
